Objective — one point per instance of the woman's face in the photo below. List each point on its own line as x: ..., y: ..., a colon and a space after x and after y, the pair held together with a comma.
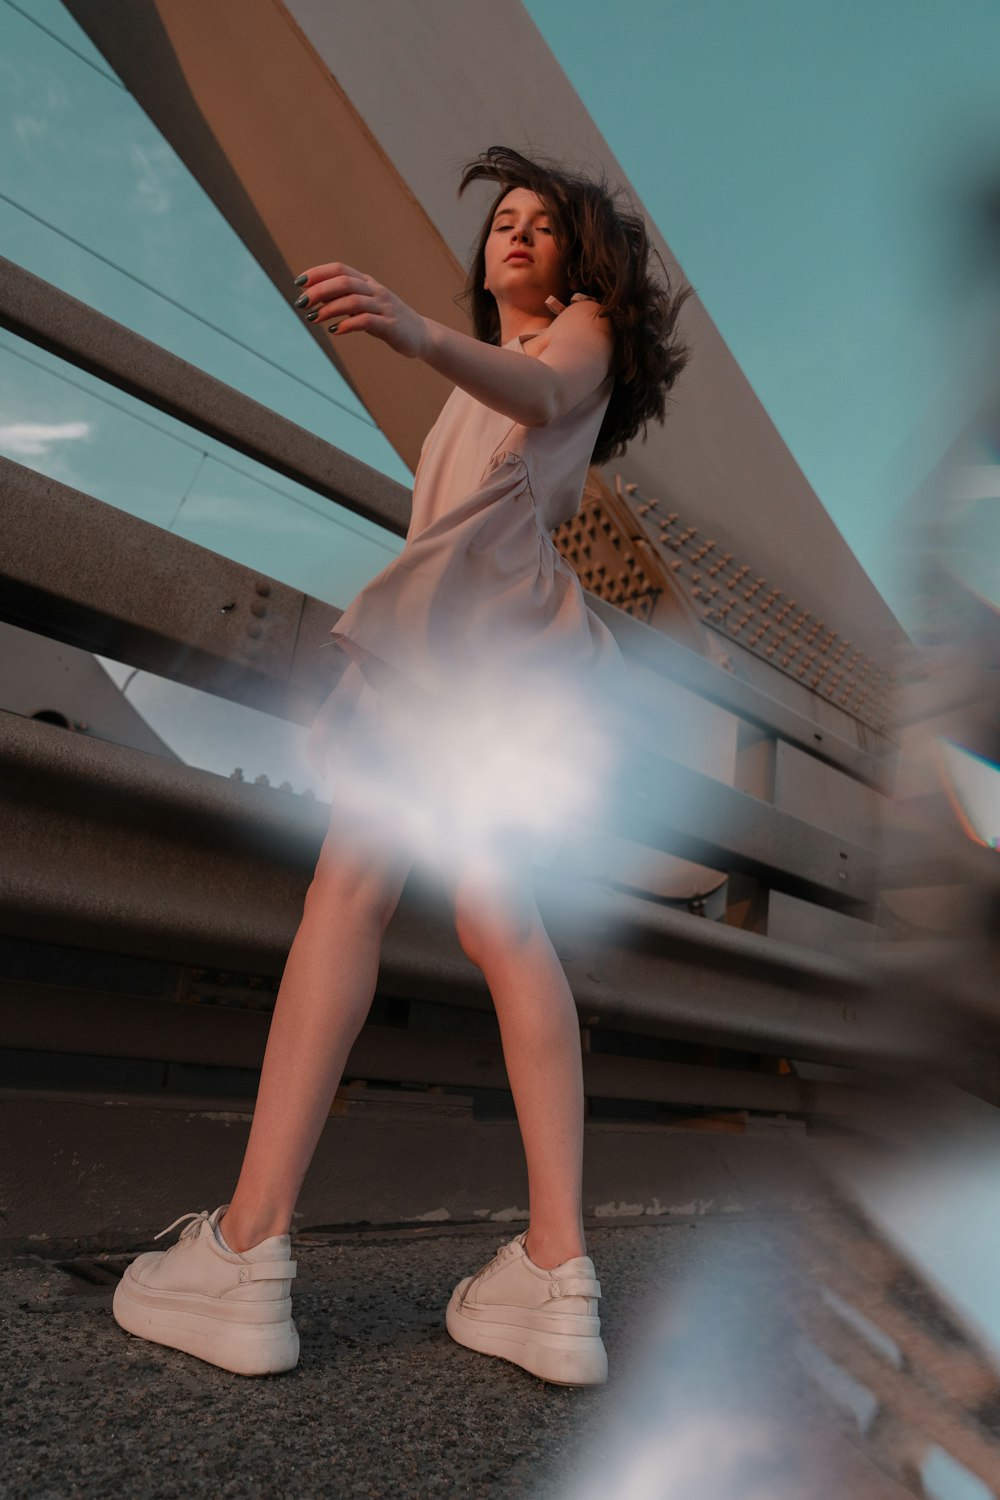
x: 521, y: 223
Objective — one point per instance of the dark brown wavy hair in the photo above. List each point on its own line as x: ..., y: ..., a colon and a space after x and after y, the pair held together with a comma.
x: 605, y: 251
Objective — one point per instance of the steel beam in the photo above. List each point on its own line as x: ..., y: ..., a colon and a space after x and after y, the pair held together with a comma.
x: 52, y: 1018
x: 82, y: 572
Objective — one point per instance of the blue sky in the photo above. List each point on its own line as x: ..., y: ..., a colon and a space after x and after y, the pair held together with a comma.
x: 804, y: 161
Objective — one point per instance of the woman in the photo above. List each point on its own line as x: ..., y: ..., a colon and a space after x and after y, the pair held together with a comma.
x: 476, y: 711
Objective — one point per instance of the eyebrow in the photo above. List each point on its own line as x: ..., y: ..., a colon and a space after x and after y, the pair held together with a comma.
x: 538, y: 211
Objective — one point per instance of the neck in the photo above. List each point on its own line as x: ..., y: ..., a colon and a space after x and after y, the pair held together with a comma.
x: 522, y: 326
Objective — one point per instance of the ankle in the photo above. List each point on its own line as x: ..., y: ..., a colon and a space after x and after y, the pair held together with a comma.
x: 546, y: 1252
x: 242, y: 1232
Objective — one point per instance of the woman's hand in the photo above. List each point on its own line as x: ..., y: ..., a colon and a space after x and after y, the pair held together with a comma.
x: 346, y: 301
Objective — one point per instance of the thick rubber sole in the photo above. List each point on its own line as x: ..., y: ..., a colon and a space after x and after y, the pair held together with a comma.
x: 242, y: 1348
x: 560, y: 1358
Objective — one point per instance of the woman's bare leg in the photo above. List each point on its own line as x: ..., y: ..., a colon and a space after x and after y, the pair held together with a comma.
x: 325, y: 995
x: 501, y: 930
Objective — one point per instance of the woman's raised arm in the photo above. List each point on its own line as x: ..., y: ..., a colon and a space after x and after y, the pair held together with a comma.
x: 532, y: 391
x: 575, y: 360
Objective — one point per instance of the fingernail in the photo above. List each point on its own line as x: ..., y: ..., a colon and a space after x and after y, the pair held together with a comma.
x: 332, y: 327
x: 312, y: 316
x: 301, y: 280
x: 302, y: 301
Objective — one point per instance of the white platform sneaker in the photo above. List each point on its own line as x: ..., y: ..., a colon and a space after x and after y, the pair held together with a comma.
x: 233, y: 1310
x: 544, y: 1320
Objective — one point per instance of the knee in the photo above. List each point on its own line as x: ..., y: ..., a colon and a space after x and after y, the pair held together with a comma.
x: 366, y: 897
x: 366, y: 883
x: 489, y: 928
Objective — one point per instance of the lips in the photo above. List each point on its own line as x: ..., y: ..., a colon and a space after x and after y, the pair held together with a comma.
x: 518, y: 255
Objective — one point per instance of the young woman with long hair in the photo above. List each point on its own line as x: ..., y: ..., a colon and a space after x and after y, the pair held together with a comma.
x: 475, y: 714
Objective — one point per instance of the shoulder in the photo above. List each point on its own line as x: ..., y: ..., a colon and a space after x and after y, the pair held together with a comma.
x: 579, y: 349
x: 583, y: 314
x: 581, y: 328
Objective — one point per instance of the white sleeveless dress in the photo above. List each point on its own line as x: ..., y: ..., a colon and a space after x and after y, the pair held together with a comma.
x: 479, y: 699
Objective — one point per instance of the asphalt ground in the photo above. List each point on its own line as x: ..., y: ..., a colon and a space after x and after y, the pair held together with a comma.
x: 707, y: 1398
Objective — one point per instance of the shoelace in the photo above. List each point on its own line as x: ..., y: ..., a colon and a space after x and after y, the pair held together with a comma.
x: 190, y: 1230
x: 503, y: 1255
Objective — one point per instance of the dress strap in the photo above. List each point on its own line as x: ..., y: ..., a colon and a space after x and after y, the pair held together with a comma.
x: 556, y: 307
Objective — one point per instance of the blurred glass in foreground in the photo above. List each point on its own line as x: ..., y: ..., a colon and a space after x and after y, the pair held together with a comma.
x: 845, y: 1340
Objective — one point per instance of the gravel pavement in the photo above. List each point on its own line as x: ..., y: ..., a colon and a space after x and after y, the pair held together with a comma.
x: 383, y: 1403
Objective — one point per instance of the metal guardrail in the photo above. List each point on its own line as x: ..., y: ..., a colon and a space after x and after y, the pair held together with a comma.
x: 130, y: 1026
x: 85, y: 573
x: 109, y: 846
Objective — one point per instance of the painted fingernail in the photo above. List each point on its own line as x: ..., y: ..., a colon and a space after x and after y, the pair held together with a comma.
x: 332, y: 327
x: 301, y: 280
x: 312, y: 316
x: 302, y: 301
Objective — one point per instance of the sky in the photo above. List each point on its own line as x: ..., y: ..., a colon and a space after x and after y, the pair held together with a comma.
x: 801, y: 160
x: 805, y: 163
